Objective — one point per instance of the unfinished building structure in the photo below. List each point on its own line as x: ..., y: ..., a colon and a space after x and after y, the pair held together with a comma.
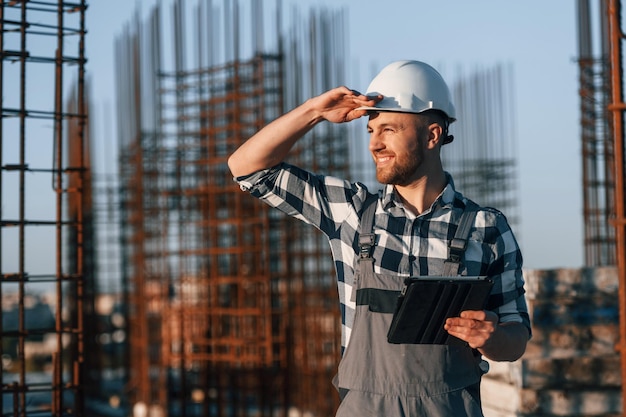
x: 45, y: 266
x: 601, y: 82
x: 232, y: 309
x: 483, y: 162
x: 617, y: 107
x: 597, y: 133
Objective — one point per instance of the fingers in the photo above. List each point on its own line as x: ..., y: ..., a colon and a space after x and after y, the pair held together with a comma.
x: 356, y: 93
x: 474, y: 327
x: 467, y: 326
x: 375, y: 98
x: 482, y: 315
x: 359, y: 97
x: 474, y: 319
x: 341, y: 104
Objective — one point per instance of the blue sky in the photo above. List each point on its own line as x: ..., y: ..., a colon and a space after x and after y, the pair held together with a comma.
x: 537, y: 37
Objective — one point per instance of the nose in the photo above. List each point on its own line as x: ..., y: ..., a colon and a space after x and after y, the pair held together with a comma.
x: 376, y: 143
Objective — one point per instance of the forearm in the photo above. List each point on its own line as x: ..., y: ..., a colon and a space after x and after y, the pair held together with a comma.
x: 270, y: 145
x: 507, y: 342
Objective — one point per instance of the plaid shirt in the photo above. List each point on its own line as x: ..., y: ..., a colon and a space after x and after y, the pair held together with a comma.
x: 406, y: 245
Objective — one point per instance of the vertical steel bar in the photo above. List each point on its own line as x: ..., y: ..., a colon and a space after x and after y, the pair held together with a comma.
x: 137, y: 182
x: 200, y: 39
x: 618, y: 107
x: 179, y: 151
x: 586, y: 90
x: 210, y: 20
x: 228, y: 30
x: 605, y: 150
x: 79, y: 349
x: 2, y: 6
x: 235, y: 31
x: 22, y: 211
x: 57, y: 382
x: 16, y: 400
x: 161, y: 180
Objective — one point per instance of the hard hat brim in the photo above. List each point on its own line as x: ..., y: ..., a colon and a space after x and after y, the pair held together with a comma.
x: 399, y: 110
x: 394, y: 109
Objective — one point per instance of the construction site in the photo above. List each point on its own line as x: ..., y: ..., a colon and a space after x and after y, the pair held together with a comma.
x: 163, y: 290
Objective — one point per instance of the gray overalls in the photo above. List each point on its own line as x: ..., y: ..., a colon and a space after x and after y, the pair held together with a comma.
x: 377, y: 378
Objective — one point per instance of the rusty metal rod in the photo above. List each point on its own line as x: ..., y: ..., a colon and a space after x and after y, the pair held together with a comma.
x: 617, y: 106
x: 22, y: 211
x: 1, y: 199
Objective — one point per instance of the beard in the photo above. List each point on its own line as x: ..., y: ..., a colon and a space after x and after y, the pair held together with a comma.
x: 404, y: 169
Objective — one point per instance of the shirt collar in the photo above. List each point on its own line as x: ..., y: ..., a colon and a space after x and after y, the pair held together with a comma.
x: 391, y: 199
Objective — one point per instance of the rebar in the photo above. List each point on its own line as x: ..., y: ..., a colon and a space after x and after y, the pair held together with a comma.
x: 42, y: 342
x: 232, y: 302
x: 617, y: 107
x: 598, y: 177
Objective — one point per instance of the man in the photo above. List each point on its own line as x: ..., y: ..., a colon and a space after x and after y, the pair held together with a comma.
x: 416, y: 216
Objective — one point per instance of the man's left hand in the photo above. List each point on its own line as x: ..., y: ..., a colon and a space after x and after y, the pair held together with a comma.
x: 474, y: 327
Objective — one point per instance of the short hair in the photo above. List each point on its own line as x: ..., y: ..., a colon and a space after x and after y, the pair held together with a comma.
x: 440, y: 118
x: 436, y: 116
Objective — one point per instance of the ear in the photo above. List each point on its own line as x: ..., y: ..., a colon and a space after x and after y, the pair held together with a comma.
x: 435, y: 136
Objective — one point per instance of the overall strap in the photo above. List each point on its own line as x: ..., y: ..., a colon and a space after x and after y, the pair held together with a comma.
x: 366, y: 232
x: 366, y: 241
x: 459, y: 243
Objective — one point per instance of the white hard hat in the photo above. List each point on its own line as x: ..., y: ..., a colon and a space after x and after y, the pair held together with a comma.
x: 411, y: 87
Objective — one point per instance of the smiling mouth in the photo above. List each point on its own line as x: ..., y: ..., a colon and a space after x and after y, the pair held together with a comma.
x: 381, y: 160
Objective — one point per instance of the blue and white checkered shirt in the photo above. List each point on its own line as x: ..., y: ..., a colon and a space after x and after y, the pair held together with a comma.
x: 406, y: 245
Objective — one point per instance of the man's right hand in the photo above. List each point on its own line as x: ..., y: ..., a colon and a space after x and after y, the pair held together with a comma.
x: 270, y: 145
x: 340, y: 104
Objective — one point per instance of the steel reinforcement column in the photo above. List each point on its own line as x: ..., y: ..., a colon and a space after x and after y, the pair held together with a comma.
x: 617, y: 108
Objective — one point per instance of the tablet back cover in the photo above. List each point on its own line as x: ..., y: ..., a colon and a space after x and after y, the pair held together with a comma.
x: 428, y: 301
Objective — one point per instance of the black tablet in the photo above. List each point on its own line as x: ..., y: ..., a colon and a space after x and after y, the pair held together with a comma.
x: 426, y: 302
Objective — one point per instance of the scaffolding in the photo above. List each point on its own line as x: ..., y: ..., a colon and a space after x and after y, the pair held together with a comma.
x: 44, y: 195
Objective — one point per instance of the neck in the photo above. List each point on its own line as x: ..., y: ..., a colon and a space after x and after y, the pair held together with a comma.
x: 418, y: 196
